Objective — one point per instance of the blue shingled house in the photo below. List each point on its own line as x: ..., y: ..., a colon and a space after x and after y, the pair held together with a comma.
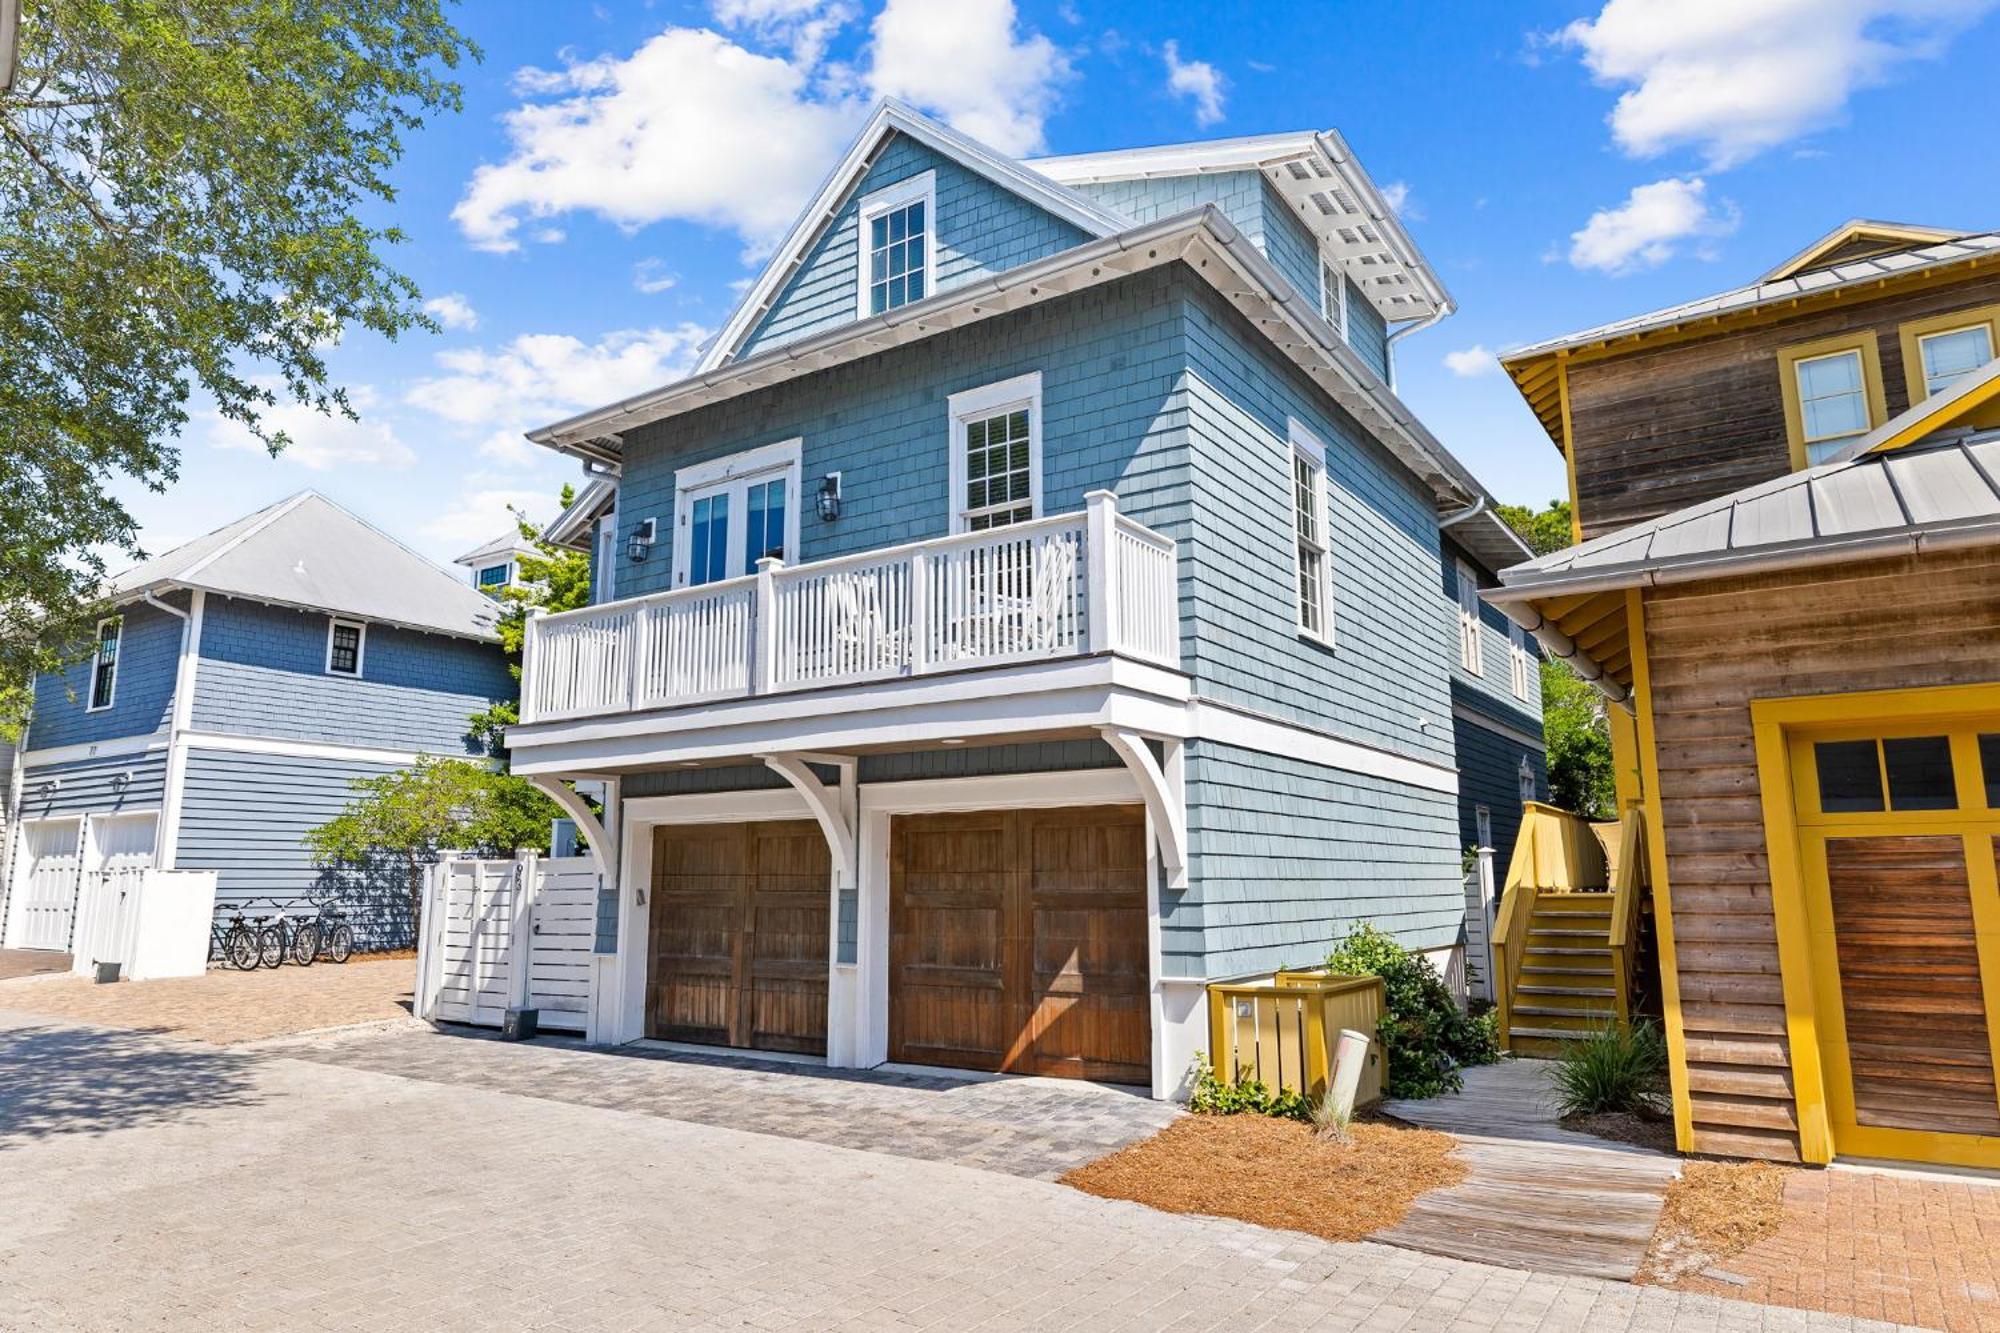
x: 240, y: 682
x: 1036, y: 604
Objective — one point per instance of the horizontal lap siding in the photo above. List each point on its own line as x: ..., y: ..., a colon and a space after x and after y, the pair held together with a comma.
x: 1386, y: 669
x: 263, y: 673
x: 148, y: 658
x: 1288, y: 856
x: 1493, y: 687
x: 1684, y: 422
x: 1489, y: 774
x: 981, y: 229
x: 1367, y: 332
x: 120, y: 784
x: 244, y: 816
x: 1712, y: 648
x: 1110, y: 360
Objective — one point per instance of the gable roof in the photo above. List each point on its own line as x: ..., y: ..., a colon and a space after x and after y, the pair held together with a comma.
x: 893, y: 117
x: 1319, y: 176
x: 1858, y: 238
x: 507, y: 543
x: 1944, y: 492
x: 308, y: 552
x: 1532, y: 368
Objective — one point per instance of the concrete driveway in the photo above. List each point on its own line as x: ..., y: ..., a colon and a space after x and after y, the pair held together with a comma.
x: 165, y: 1184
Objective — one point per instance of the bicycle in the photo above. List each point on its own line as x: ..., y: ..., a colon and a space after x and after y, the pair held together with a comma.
x: 271, y: 941
x: 329, y: 933
x: 233, y: 943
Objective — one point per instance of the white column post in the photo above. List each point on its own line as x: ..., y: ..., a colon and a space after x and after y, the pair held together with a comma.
x: 920, y: 613
x: 167, y: 838
x: 764, y: 661
x: 531, y: 634
x: 1101, y: 586
x: 520, y: 947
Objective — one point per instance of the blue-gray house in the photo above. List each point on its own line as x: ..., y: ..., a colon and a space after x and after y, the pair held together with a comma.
x: 1036, y: 605
x: 239, y: 684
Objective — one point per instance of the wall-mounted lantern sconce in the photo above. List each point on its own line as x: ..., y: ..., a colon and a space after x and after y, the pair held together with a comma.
x: 120, y: 781
x: 829, y: 497
x: 640, y: 544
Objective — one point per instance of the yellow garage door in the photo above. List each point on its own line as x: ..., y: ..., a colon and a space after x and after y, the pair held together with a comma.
x: 1899, y: 834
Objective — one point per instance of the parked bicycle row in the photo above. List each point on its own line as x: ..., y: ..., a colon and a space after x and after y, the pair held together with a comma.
x: 301, y: 930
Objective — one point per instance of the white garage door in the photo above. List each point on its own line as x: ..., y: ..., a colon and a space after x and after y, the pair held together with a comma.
x: 44, y: 905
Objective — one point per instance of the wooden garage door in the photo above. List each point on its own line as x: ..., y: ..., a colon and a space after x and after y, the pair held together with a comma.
x: 739, y: 935
x: 1018, y: 942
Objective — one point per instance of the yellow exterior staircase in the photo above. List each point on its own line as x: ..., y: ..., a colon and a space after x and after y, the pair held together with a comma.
x: 1563, y: 946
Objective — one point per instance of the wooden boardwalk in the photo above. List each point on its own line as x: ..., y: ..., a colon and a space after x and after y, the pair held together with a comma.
x: 1537, y: 1195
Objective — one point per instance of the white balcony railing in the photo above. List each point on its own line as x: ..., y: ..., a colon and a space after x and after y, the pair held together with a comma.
x: 1056, y: 587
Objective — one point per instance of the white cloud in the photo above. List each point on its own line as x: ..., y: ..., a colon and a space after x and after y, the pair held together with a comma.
x: 1650, y: 227
x: 482, y: 513
x: 1196, y: 80
x: 539, y: 378
x: 1472, y: 362
x: 453, y: 311
x: 651, y: 277
x: 1735, y: 77
x: 690, y: 125
x: 965, y: 62
x: 319, y: 442
x: 1402, y: 202
x: 806, y: 26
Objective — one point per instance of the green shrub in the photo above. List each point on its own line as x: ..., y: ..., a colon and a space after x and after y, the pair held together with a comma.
x: 1425, y: 1036
x: 1611, y: 1070
x: 1211, y: 1096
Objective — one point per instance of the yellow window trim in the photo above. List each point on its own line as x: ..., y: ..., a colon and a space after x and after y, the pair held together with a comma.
x: 1914, y: 332
x: 1862, y: 341
x: 1888, y: 712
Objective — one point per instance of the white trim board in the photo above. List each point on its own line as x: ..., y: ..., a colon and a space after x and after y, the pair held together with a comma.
x: 1498, y: 728
x: 920, y: 188
x: 271, y: 745
x: 986, y: 400
x: 1210, y: 721
x: 116, y: 747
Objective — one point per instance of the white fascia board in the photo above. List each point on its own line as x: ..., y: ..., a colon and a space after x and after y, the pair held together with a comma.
x: 271, y: 745
x: 178, y: 585
x: 111, y: 749
x: 891, y: 117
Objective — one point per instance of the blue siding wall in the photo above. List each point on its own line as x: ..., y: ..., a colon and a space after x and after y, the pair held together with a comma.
x: 148, y: 656
x: 1287, y: 856
x: 263, y: 673
x: 243, y: 815
x: 1489, y: 774
x: 1386, y: 671
x: 1367, y: 332
x: 1113, y: 417
x: 1290, y: 245
x: 1494, y: 685
x: 982, y: 228
x: 120, y: 784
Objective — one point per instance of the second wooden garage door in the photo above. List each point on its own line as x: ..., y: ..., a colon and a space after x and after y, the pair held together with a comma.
x: 1018, y: 942
x: 739, y: 935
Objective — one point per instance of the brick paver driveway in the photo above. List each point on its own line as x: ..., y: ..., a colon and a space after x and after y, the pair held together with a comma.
x: 159, y: 1184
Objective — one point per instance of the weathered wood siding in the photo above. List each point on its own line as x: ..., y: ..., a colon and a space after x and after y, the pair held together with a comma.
x: 1684, y: 422
x: 1712, y: 648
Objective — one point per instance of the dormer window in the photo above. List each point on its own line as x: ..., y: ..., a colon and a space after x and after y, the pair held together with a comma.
x: 345, y: 640
x: 1333, y: 297
x: 493, y: 578
x: 898, y: 230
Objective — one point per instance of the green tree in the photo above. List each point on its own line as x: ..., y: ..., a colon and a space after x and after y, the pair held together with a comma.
x: 414, y: 814
x: 553, y: 579
x: 182, y: 184
x: 1573, y: 718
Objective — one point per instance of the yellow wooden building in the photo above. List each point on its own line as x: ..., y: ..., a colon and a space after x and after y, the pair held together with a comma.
x: 1790, y: 595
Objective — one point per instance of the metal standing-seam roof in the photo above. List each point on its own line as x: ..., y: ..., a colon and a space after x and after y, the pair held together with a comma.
x: 308, y: 552
x: 1940, y: 493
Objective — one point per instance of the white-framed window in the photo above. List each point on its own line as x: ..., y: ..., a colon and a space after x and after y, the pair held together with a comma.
x: 1521, y: 662
x: 1527, y: 776
x: 494, y: 577
x: 346, y: 641
x: 1833, y: 401
x: 1469, y: 655
x: 1333, y: 297
x: 996, y: 454
x: 604, y: 573
x: 1309, y: 534
x: 1952, y: 353
x: 1482, y: 825
x: 729, y: 513
x: 898, y: 245
x: 104, y: 663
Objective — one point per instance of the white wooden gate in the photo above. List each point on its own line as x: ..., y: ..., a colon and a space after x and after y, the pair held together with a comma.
x: 44, y: 906
x: 501, y: 934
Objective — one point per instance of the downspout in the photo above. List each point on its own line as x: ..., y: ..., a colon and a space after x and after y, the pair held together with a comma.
x: 1477, y: 508
x: 1389, y: 344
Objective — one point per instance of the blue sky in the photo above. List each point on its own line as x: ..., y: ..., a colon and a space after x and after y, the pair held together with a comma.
x: 619, y: 170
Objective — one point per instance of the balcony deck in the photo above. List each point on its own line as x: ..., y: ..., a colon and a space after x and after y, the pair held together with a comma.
x: 1070, y: 586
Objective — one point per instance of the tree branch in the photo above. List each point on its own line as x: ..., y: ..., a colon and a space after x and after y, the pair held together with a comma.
x: 56, y: 174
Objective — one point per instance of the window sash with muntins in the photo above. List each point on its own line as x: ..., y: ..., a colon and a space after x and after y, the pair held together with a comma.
x: 1833, y: 401
x: 493, y: 576
x: 343, y: 648
x: 996, y: 454
x: 1333, y: 297
x: 104, y: 662
x: 1309, y: 533
x: 897, y: 242
x: 1470, y: 656
x: 1951, y: 353
x: 1520, y: 660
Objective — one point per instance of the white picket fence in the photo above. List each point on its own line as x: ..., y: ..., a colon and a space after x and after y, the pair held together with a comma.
x: 508, y: 934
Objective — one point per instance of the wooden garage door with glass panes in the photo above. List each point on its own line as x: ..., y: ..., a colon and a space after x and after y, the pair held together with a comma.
x: 1899, y: 835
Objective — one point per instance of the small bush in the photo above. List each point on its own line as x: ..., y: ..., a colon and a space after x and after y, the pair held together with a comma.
x: 1425, y: 1036
x: 1211, y: 1096
x: 1331, y: 1120
x: 1610, y: 1070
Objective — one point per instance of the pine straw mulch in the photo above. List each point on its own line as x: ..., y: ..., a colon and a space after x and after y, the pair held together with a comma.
x: 1715, y: 1210
x: 1279, y: 1173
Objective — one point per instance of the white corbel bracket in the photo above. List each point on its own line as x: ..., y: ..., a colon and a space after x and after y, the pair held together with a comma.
x: 827, y: 806
x: 578, y: 809
x: 1163, y: 802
